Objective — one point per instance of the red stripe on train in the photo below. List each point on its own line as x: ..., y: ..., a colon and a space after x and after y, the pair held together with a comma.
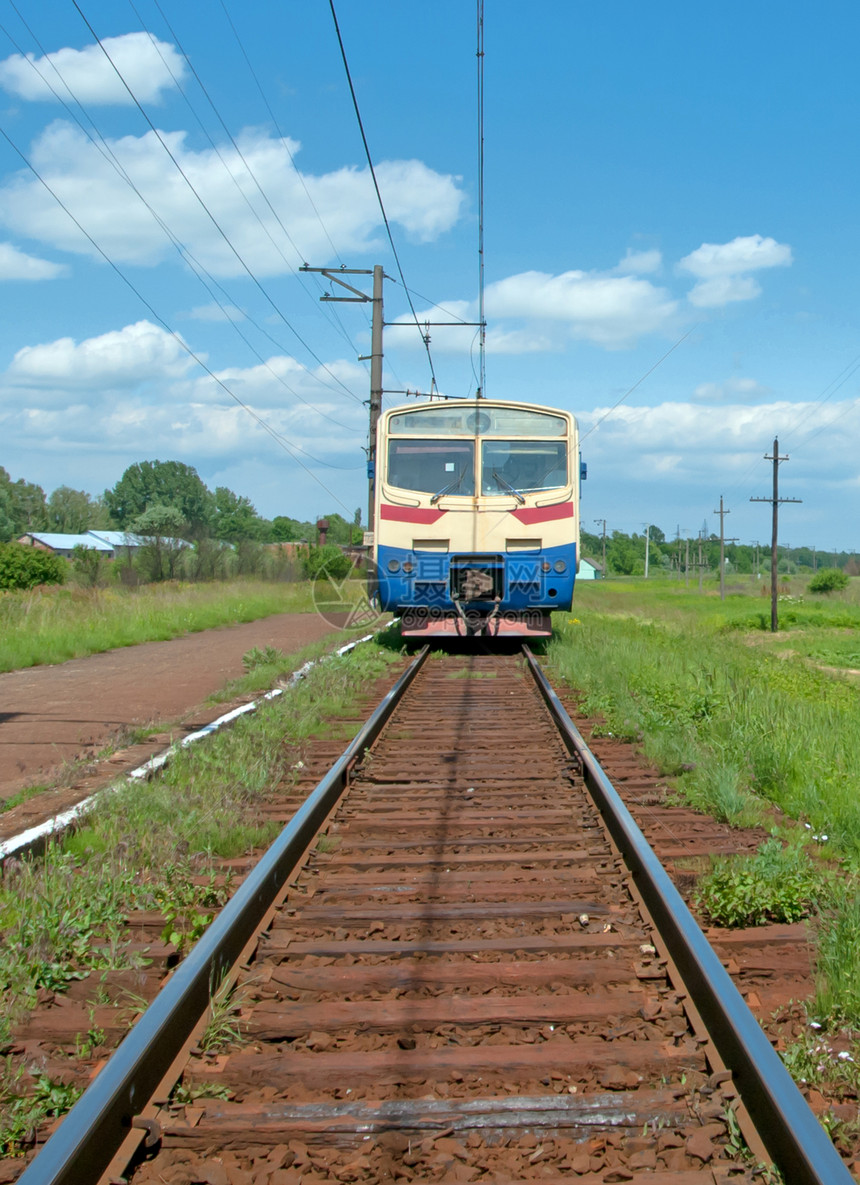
x: 543, y: 514
x: 411, y: 514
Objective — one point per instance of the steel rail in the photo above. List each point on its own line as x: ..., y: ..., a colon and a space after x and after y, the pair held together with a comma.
x: 794, y: 1138
x: 91, y: 1134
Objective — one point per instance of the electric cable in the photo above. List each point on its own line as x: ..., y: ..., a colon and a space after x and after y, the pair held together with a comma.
x: 228, y: 242
x: 288, y: 447
x: 203, y: 275
x: 433, y: 383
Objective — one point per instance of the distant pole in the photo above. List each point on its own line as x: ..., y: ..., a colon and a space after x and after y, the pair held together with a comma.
x: 814, y: 561
x: 723, y: 541
x: 647, y: 546
x: 774, y: 501
x: 701, y: 561
x: 602, y: 522
x: 686, y: 563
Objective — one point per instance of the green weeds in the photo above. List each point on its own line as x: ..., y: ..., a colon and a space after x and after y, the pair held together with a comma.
x: 777, y: 884
x: 22, y: 1115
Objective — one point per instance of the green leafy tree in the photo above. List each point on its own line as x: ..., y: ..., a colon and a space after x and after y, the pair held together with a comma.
x: 22, y: 503
x: 70, y: 511
x: 289, y: 530
x: 234, y: 517
x: 7, y: 522
x: 340, y: 531
x: 26, y: 567
x: 162, y: 528
x: 162, y: 483
x: 89, y: 566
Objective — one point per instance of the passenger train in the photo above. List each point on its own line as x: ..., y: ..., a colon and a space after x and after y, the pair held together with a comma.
x: 477, y: 516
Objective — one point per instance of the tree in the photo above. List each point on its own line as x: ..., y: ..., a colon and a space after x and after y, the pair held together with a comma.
x: 70, y: 511
x: 22, y: 566
x: 22, y: 503
x: 89, y: 565
x: 234, y: 517
x: 161, y: 526
x: 288, y: 530
x: 162, y: 483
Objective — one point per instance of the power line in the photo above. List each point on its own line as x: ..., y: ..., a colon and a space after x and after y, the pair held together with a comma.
x: 198, y: 269
x: 639, y: 382
x: 288, y: 447
x: 335, y: 321
x: 424, y: 338
x: 231, y: 246
x: 482, y: 332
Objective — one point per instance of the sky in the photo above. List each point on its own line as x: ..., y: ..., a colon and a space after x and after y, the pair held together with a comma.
x: 671, y: 243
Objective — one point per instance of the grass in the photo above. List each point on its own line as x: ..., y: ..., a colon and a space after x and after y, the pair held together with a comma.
x: 51, y: 625
x: 158, y: 846
x: 750, y: 727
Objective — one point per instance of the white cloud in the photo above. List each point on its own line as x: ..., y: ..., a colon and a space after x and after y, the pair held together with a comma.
x: 721, y: 268
x: 122, y: 358
x: 422, y: 201
x: 15, y: 265
x: 610, y: 310
x: 639, y: 263
x: 737, y: 389
x: 148, y: 65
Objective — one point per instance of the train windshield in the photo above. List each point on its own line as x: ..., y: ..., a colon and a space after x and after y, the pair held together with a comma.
x: 445, y: 419
x: 522, y: 466
x: 442, y: 466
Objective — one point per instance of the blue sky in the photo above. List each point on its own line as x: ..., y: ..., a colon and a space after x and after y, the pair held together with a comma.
x: 659, y: 179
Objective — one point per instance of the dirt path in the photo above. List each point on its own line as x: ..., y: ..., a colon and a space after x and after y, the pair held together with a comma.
x: 53, y: 715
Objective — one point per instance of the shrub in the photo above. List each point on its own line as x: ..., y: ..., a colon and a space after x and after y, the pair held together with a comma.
x: 828, y: 580
x: 327, y: 563
x: 25, y: 567
x: 778, y: 884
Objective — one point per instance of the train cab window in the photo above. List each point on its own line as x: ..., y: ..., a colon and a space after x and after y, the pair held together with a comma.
x: 522, y: 466
x: 432, y: 466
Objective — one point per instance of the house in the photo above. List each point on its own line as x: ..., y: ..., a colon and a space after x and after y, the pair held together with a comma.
x: 62, y: 544
x: 124, y: 544
x: 112, y: 544
x: 589, y: 569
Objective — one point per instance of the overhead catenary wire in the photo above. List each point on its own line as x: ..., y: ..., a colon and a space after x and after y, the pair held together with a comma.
x: 212, y: 286
x: 288, y: 447
x: 226, y: 238
x: 300, y: 255
x: 482, y: 330
x: 638, y: 382
x: 370, y: 165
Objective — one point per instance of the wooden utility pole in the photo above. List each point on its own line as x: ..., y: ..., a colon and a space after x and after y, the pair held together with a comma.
x: 647, y: 546
x: 723, y: 541
x: 601, y: 522
x: 774, y: 501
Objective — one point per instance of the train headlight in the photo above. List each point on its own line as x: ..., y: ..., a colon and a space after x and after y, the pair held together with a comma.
x: 408, y: 566
x: 546, y: 566
x: 560, y: 566
x: 394, y: 565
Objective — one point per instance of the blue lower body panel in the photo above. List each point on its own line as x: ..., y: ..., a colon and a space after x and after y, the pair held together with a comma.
x: 439, y: 582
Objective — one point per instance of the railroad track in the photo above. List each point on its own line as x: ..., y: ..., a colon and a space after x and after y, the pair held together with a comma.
x: 481, y: 973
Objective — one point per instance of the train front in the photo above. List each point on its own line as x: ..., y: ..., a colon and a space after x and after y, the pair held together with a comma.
x: 476, y: 517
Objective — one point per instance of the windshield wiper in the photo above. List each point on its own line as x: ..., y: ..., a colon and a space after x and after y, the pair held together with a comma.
x: 452, y: 485
x: 502, y: 482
